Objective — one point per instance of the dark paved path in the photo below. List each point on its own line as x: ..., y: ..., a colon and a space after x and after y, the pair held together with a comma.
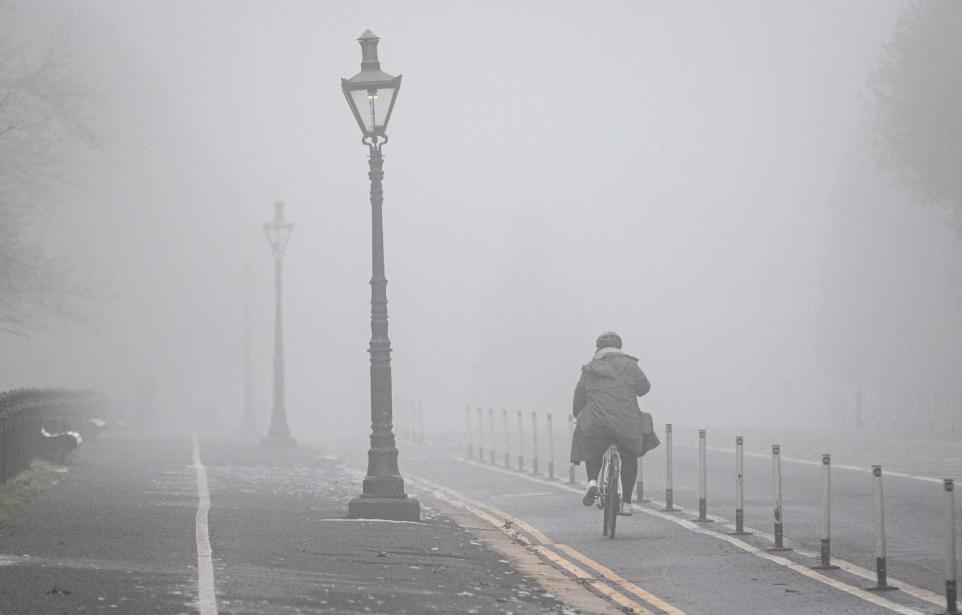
x: 117, y: 535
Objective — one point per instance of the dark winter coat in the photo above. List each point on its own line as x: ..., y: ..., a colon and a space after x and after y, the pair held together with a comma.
x: 606, y: 406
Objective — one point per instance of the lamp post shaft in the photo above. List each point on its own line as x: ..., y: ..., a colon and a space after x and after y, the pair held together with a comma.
x: 249, y: 420
x: 382, y: 459
x: 383, y: 494
x: 279, y: 429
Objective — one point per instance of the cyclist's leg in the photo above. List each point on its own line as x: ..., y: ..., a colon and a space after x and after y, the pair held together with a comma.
x: 629, y: 474
x: 593, y: 467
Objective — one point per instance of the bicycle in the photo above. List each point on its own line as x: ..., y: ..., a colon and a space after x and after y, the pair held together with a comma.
x: 609, y: 500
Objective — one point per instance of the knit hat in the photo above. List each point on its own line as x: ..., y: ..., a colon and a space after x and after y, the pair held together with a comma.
x: 608, y: 339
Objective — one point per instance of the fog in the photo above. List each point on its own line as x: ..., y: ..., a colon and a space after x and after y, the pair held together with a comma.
x: 695, y: 176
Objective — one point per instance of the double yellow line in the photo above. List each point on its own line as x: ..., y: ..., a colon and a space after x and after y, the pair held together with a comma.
x: 603, y: 580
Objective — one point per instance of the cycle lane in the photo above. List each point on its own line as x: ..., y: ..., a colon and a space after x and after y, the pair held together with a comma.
x: 689, y: 571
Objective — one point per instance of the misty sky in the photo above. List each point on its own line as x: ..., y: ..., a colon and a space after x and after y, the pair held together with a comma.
x: 677, y: 172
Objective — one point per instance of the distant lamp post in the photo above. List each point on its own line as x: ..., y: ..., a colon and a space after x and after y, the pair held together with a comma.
x: 278, y: 233
x: 371, y: 94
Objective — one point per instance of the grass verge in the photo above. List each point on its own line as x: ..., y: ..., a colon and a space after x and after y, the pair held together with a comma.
x: 39, y: 477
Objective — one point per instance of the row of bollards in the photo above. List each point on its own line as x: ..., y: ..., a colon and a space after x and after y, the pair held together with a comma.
x: 951, y: 572
x: 481, y: 440
x: 409, y: 415
x: 477, y: 453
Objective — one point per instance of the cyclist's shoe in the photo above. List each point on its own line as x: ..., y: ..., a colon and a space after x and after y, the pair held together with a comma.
x: 625, y: 509
x: 591, y: 494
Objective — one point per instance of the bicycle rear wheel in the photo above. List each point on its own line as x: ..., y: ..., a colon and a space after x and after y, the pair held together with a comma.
x: 603, y: 490
x: 612, y: 499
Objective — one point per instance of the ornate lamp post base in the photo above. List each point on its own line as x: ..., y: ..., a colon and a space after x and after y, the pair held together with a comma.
x: 400, y: 508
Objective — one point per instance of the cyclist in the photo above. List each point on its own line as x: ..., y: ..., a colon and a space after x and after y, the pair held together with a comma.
x: 606, y: 406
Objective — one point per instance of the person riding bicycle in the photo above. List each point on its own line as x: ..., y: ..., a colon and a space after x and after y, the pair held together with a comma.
x: 606, y: 406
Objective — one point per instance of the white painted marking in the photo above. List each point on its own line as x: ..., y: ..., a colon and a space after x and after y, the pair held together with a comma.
x: 369, y: 520
x: 809, y: 462
x: 907, y: 588
x: 206, y: 598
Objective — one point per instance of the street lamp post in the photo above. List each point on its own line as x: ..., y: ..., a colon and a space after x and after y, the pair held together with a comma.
x: 249, y: 421
x: 371, y: 94
x: 278, y: 233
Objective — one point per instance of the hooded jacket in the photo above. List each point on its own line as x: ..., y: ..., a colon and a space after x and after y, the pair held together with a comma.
x: 606, y: 405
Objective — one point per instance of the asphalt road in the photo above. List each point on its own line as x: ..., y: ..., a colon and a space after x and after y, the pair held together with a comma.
x: 118, y: 534
x: 121, y: 533
x: 699, y: 573
x: 914, y: 506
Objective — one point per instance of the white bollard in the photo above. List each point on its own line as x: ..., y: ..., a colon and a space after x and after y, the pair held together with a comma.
x: 777, y: 497
x: 571, y: 437
x: 550, y: 449
x: 420, y: 422
x: 881, y: 568
x: 520, y: 443
x: 669, y: 492
x: 507, y: 440
x: 534, y: 430
x: 491, y: 425
x: 411, y: 418
x: 467, y: 414
x: 702, y: 478
x: 480, y: 435
x: 826, y: 544
x: 951, y: 571
x: 739, y: 488
x: 640, y: 484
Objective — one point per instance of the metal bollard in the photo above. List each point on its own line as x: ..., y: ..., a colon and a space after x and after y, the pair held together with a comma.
x: 571, y: 437
x: 411, y: 419
x: 491, y: 425
x: 640, y: 484
x: 480, y: 435
x: 951, y: 571
x: 520, y: 443
x: 534, y: 430
x: 669, y: 492
x: 881, y: 570
x: 702, y: 479
x: 826, y: 546
x: 467, y: 414
x: 739, y: 488
x: 420, y: 421
x: 777, y: 496
x: 507, y: 440
x: 550, y: 449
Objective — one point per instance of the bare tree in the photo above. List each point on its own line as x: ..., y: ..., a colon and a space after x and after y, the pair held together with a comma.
x: 47, y: 114
x: 918, y: 89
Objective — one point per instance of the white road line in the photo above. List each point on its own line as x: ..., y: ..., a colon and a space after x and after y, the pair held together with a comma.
x: 809, y: 462
x: 206, y: 598
x: 781, y: 561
